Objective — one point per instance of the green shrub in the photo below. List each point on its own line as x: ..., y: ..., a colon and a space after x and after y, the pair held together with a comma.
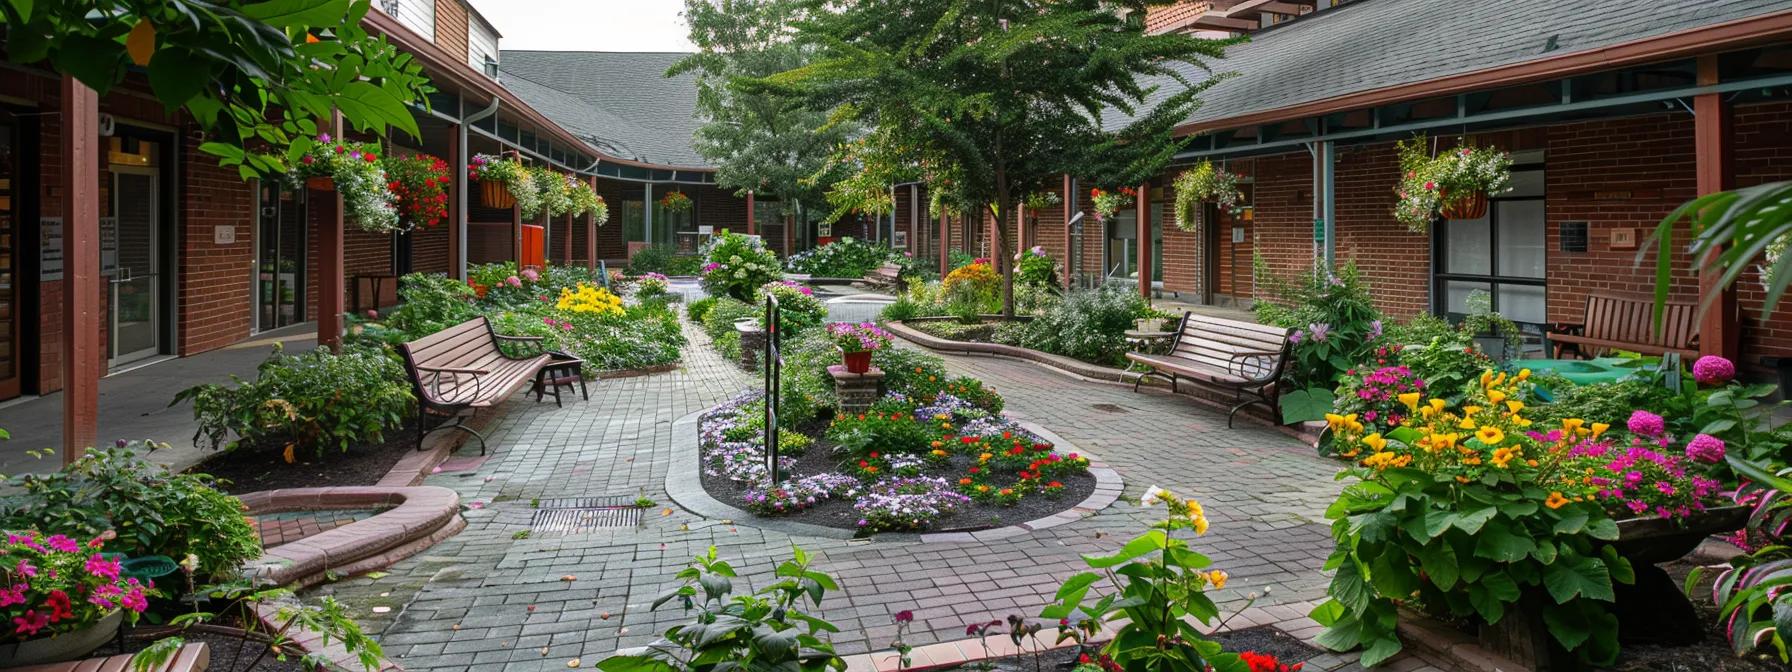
x: 1036, y: 268
x: 900, y: 309
x: 964, y: 387
x: 696, y: 310
x: 740, y: 266
x: 311, y: 400
x: 651, y: 259
x: 844, y: 258
x: 861, y: 435
x: 1334, y: 316
x: 1610, y: 403
x: 1089, y: 325
x: 719, y: 321
x: 684, y: 264
x: 432, y: 302
x: 798, y: 309
x: 905, y: 368
x: 153, y: 511
x: 643, y: 336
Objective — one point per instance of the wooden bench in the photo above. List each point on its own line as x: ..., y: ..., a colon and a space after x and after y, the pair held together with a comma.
x: 885, y: 275
x: 195, y: 657
x: 1244, y: 358
x: 458, y: 370
x: 1614, y: 322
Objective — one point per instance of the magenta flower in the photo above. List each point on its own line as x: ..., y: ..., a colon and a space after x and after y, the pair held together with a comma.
x: 1644, y: 423
x: 1706, y: 448
x: 1713, y: 370
x: 531, y: 275
x: 103, y: 568
x: 513, y: 281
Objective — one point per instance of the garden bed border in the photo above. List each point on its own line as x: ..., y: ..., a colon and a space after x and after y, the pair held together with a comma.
x: 684, y: 483
x: 1307, y: 433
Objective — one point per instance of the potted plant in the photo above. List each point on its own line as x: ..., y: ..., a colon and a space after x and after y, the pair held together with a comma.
x: 1454, y: 184
x: 1205, y: 183
x: 554, y: 191
x: 1109, y: 203
x: 62, y: 597
x: 857, y: 342
x: 676, y: 201
x: 420, y: 182
x: 585, y: 200
x: 503, y: 182
x: 354, y: 170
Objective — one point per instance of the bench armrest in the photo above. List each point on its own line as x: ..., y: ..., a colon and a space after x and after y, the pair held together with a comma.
x: 1256, y: 367
x: 1570, y: 328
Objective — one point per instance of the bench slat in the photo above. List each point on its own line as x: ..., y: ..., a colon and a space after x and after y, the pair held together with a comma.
x: 1611, y: 321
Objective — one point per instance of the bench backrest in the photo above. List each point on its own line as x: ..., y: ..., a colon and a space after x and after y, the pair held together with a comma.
x: 1216, y: 342
x: 1627, y: 320
x: 469, y: 345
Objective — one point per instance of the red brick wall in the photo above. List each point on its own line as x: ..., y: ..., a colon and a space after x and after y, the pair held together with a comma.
x: 1763, y: 154
x: 213, y: 290
x: 718, y: 207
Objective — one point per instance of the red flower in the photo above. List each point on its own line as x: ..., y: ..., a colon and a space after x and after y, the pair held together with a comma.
x: 59, y: 606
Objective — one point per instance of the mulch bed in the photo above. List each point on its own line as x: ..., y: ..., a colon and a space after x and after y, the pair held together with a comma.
x: 262, y: 467
x: 1712, y: 654
x: 1261, y: 639
x: 839, y: 513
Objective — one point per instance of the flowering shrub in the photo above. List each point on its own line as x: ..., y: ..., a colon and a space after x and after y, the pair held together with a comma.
x: 1470, y: 508
x: 53, y: 585
x: 676, y: 201
x: 738, y: 265
x: 798, y: 309
x: 517, y: 180
x: 844, y: 258
x: 865, y: 337
x: 975, y: 288
x: 650, y: 285
x: 1429, y: 183
x: 906, y: 503
x: 1374, y: 396
x: 1034, y: 267
x: 1205, y: 183
x: 420, y: 184
x: 312, y: 400
x: 1335, y: 326
x: 586, y: 200
x: 355, y: 169
x: 1109, y: 203
x: 554, y: 193
x: 588, y: 298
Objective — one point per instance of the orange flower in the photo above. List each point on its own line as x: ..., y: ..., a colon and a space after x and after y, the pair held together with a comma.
x: 1555, y: 501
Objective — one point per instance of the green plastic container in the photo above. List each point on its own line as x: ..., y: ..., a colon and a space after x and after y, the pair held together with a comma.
x: 1579, y: 371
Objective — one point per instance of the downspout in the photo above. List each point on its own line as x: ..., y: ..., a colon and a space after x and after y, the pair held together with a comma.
x: 460, y: 182
x: 1330, y: 168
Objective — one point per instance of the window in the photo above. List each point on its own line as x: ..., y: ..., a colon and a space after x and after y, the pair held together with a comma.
x: 482, y: 48
x: 1502, y: 254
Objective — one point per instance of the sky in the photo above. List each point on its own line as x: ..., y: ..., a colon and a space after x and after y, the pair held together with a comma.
x: 588, y: 25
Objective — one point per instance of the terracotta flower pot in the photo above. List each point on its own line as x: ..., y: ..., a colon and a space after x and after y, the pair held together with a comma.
x: 1470, y: 206
x: 858, y: 362
x: 62, y: 647
x: 495, y: 194
x: 320, y: 183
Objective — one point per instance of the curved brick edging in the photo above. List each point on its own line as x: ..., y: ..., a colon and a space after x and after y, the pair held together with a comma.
x: 420, y: 516
x: 684, y: 483
x: 1307, y: 433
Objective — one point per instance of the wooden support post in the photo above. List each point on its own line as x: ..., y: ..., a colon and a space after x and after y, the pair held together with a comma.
x: 1713, y: 130
x: 331, y: 248
x: 752, y: 224
x: 516, y: 235
x: 1143, y: 220
x: 789, y: 226
x: 591, y: 234
x: 83, y: 361
x: 568, y: 245
x: 457, y: 259
x: 945, y: 245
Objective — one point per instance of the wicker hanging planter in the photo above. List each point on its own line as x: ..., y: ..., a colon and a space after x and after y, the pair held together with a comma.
x: 1471, y: 206
x: 495, y: 194
x: 320, y: 183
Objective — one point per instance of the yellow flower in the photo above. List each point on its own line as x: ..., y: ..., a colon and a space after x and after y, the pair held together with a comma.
x: 1486, y: 377
x: 1515, y: 406
x: 1555, y: 501
x: 1218, y: 579
x: 1496, y: 396
x: 1503, y: 456
x: 1467, y: 423
x: 1490, y: 435
x: 1572, y: 425
x: 1441, y: 441
x: 1524, y: 373
x: 1334, y: 421
x: 1471, y: 410
x: 1599, y: 428
x: 1194, y: 508
x: 1200, y: 525
x: 1375, y: 442
x: 1411, y: 399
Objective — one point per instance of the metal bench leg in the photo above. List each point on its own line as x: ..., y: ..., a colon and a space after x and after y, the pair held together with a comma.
x: 1173, y: 389
x: 582, y: 391
x: 1139, y: 381
x: 458, y: 422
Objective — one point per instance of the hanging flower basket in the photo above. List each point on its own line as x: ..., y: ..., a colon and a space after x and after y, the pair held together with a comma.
x: 493, y: 194
x: 353, y: 170
x: 1205, y: 183
x: 1472, y: 206
x: 320, y: 183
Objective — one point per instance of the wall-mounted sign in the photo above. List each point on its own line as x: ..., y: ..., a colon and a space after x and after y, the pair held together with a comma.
x: 49, y: 254
x: 705, y: 230
x: 899, y: 239
x: 1237, y: 234
x: 108, y: 245
x: 224, y: 234
x: 824, y: 230
x: 1624, y: 239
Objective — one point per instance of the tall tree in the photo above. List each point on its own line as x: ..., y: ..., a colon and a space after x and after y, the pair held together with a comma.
x: 760, y: 141
x: 991, y: 100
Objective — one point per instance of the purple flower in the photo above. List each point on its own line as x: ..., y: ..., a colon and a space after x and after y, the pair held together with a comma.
x: 1644, y: 423
x: 1713, y: 370
x: 323, y: 137
x: 1374, y: 330
x: 1319, y: 330
x: 1296, y: 336
x: 1706, y: 448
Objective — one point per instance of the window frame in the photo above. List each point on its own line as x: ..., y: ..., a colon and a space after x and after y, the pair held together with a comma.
x: 1440, y: 278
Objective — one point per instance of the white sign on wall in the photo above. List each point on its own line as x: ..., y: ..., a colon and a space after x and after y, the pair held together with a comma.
x: 224, y: 234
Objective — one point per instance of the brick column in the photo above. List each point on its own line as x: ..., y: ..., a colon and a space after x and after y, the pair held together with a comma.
x: 752, y: 223
x: 331, y: 245
x: 1720, y: 330
x: 83, y: 360
x: 945, y: 244
x: 857, y: 391
x: 1144, y: 237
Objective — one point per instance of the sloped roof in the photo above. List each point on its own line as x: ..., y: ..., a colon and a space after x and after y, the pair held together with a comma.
x: 621, y: 102
x: 1373, y: 44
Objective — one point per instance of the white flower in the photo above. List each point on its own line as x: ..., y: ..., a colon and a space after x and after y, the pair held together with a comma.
x: 1153, y: 497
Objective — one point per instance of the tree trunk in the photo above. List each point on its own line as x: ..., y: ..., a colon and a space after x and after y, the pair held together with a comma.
x: 1004, y: 261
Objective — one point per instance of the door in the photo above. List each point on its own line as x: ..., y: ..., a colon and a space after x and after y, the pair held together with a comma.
x: 280, y: 258
x: 130, y: 244
x: 10, y: 196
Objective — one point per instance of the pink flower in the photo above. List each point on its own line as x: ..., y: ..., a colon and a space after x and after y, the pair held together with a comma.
x: 25, y: 569
x: 1430, y: 186
x: 1645, y: 423
x: 103, y: 568
x: 513, y: 281
x: 13, y: 595
x: 61, y: 543
x: 1706, y: 448
x: 1713, y: 370
x: 31, y: 622
x: 531, y: 274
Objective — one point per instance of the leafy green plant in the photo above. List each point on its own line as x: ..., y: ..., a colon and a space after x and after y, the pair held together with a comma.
x: 861, y: 435
x: 905, y: 369
x: 1733, y: 229
x: 1088, y: 324
x: 319, y: 625
x: 696, y: 310
x: 1205, y: 183
x: 798, y: 309
x: 153, y: 511
x: 847, y: 257
x: 431, y: 302
x: 766, y: 630
x: 1610, y: 403
x: 719, y: 321
x: 1160, y: 585
x: 1751, y: 594
x: 1036, y: 268
x: 737, y: 265
x: 1430, y: 183
x: 1335, y: 326
x: 312, y: 400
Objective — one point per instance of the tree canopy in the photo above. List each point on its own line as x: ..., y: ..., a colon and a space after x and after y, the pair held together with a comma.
x: 256, y: 75
x: 760, y: 141
x: 990, y: 100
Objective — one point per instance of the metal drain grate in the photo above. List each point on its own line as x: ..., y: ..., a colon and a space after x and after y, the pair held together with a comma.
x: 585, y: 502
x: 582, y: 520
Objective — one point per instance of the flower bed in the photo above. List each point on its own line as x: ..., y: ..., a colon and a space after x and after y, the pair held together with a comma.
x: 932, y: 462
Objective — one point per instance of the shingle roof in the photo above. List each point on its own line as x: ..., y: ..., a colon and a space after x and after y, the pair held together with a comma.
x: 622, y: 99
x: 1372, y: 44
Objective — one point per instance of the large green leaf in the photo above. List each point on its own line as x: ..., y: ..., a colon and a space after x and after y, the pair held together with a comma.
x: 1138, y: 547
x: 1350, y: 589
x: 1304, y: 405
x: 1439, y: 561
x: 177, y: 76
x: 297, y: 13
x: 1497, y: 542
x: 1578, y: 575
x: 369, y: 105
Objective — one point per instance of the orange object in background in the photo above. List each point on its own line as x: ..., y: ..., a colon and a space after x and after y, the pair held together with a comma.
x: 533, y: 248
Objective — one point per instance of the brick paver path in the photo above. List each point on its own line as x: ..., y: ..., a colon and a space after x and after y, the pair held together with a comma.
x: 489, y: 600
x: 291, y: 526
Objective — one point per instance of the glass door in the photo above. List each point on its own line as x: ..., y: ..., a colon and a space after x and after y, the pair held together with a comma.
x: 9, y: 209
x: 129, y: 245
x: 280, y: 258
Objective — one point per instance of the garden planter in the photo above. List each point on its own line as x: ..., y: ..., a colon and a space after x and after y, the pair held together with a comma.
x: 66, y: 646
x: 494, y: 194
x: 1471, y: 206
x: 320, y: 183
x: 858, y: 362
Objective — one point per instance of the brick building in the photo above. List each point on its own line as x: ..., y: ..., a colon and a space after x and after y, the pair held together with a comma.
x: 1616, y: 112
